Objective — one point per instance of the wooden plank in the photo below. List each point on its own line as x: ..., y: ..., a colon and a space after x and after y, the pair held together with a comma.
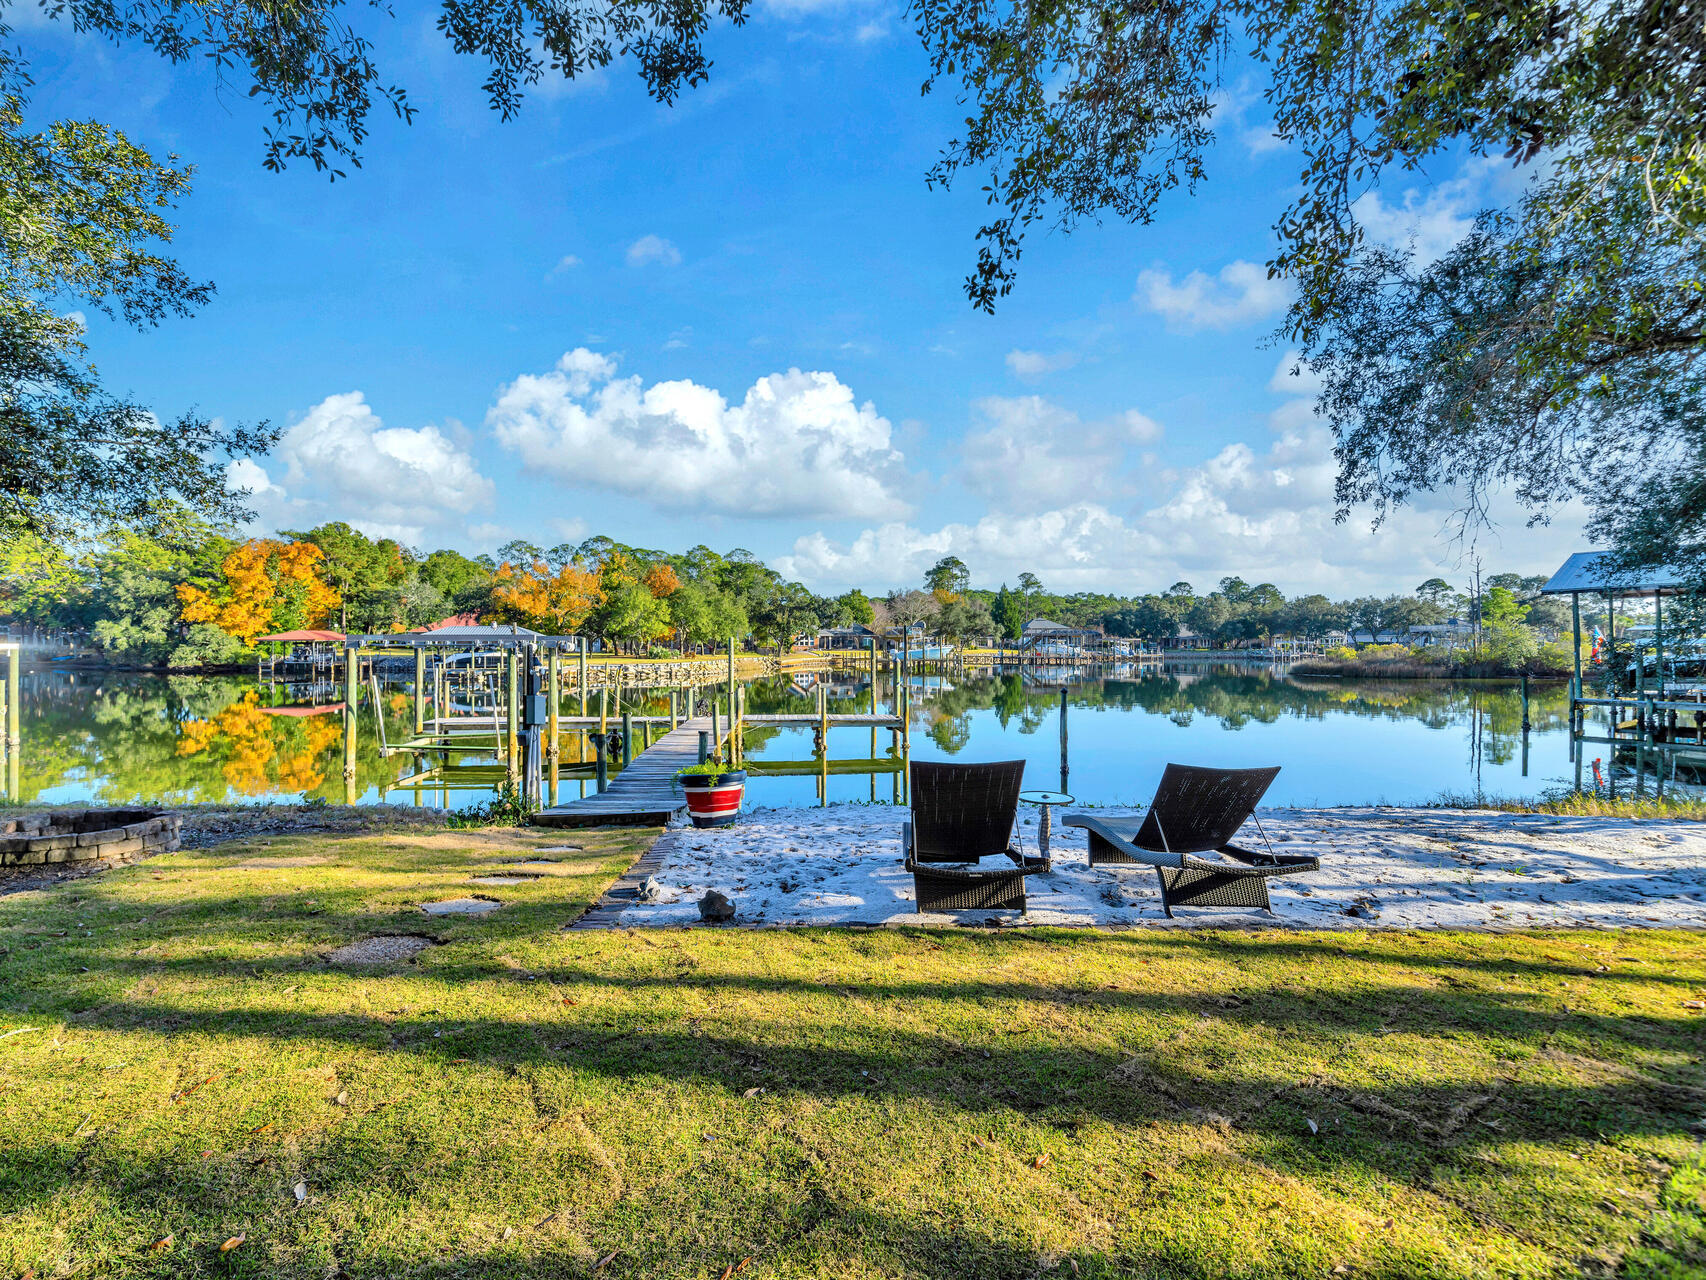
x: 643, y: 794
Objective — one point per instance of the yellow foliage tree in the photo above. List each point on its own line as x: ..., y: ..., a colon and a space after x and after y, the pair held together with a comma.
x: 269, y: 586
x: 555, y: 603
x: 662, y: 581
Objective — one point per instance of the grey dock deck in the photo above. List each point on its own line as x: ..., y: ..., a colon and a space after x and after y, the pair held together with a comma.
x: 642, y: 795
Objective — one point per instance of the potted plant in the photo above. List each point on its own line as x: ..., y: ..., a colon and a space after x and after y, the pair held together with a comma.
x: 713, y: 793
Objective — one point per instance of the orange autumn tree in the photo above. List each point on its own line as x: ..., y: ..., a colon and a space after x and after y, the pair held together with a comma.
x: 269, y: 586
x: 634, y: 610
x: 555, y: 603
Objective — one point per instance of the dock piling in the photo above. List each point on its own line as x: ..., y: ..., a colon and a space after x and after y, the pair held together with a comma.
x: 1063, y: 766
x: 554, y: 695
x: 352, y: 690
x: 420, y: 691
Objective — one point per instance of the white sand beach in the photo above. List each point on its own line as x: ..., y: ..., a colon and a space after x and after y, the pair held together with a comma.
x: 1388, y: 868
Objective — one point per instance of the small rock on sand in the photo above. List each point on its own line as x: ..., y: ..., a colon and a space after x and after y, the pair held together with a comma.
x: 715, y: 908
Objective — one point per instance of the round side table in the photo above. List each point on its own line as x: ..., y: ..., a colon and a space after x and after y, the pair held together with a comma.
x: 1046, y: 801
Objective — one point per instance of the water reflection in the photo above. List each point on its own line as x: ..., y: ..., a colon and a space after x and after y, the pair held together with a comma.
x: 116, y: 739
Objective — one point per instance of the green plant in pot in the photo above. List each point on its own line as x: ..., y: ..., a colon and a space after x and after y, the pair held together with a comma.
x: 713, y: 793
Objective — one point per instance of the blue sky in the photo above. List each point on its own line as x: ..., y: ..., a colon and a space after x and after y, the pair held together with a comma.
x: 739, y: 321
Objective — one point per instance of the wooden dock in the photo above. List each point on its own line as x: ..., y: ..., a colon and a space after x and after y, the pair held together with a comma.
x: 644, y: 794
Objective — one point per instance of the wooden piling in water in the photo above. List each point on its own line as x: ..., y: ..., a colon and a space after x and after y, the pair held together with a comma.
x: 553, y: 692
x: 352, y: 688
x: 420, y: 691
x: 1063, y: 766
x: 512, y: 716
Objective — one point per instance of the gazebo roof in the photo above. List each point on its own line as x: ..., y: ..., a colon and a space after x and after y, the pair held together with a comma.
x: 503, y: 637
x: 1582, y: 572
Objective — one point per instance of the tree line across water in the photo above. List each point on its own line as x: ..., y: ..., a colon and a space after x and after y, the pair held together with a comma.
x: 177, y: 591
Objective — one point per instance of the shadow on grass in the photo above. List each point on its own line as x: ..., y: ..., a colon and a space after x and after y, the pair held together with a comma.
x: 1227, y: 1032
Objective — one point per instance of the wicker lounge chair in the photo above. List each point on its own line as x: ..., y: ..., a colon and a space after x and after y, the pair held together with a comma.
x: 962, y: 813
x: 1195, y: 811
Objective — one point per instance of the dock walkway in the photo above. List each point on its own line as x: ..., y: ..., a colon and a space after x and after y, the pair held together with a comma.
x: 642, y: 795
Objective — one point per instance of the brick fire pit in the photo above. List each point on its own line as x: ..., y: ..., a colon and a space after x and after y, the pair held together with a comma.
x: 110, y: 836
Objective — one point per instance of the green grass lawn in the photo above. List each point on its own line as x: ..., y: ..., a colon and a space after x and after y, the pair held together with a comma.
x: 524, y: 1101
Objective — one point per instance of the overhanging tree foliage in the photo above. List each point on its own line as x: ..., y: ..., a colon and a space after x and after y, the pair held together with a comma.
x: 81, y: 226
x: 1552, y: 352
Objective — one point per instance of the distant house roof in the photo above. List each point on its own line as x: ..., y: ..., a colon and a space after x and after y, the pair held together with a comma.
x: 454, y: 620
x: 1441, y: 628
x: 305, y: 636
x: 855, y: 630
x: 1582, y: 572
x: 1043, y: 625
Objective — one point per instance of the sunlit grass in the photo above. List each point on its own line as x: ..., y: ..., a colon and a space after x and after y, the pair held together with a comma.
x: 524, y: 1101
x: 1584, y: 804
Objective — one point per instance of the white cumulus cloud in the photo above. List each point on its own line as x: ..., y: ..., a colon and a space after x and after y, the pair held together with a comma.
x: 1263, y: 513
x: 1239, y: 293
x: 1030, y: 365
x: 1030, y: 454
x: 797, y: 444
x: 340, y: 462
x: 1292, y: 376
x: 651, y: 249
x: 1428, y: 223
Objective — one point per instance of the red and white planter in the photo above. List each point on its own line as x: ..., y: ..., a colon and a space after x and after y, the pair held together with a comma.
x: 713, y: 800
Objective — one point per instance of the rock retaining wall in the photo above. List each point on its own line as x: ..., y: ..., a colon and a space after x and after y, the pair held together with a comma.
x: 110, y: 836
x: 688, y: 673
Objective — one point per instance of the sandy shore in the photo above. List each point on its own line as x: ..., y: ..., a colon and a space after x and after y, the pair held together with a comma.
x: 1390, y: 868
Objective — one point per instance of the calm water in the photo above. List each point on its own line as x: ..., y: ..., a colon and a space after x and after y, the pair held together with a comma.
x: 180, y: 739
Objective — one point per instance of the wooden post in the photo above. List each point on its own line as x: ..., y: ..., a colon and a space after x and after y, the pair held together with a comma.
x: 1525, y: 702
x: 716, y: 738
x: 906, y: 719
x: 731, y: 685
x: 12, y: 748
x: 1576, y: 619
x: 823, y: 719
x: 604, y: 711
x: 1659, y: 643
x: 420, y: 691
x: 1063, y: 767
x: 14, y: 698
x: 512, y: 715
x: 1610, y: 643
x: 352, y: 689
x: 627, y: 738
x: 583, y: 675
x: 704, y: 745
x: 554, y: 693
x: 674, y: 719
x: 603, y: 766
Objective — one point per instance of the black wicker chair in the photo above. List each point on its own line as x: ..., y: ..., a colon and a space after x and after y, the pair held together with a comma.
x: 1196, y: 810
x: 962, y: 813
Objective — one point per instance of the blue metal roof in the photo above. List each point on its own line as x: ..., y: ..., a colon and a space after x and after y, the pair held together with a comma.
x: 1581, y: 572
